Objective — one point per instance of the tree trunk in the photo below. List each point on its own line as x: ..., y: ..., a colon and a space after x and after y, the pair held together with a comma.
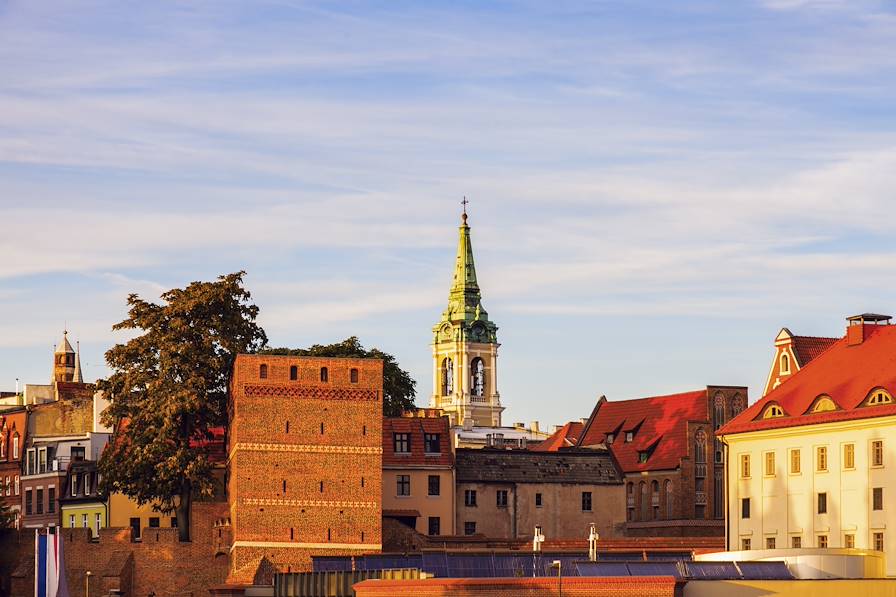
x: 183, y: 509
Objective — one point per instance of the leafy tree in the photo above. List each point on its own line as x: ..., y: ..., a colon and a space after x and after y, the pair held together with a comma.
x: 7, y: 516
x: 399, y: 389
x: 169, y: 387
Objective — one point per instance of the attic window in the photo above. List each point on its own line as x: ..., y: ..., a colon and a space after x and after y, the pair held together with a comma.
x: 785, y: 363
x: 642, y: 457
x: 609, y: 438
x: 629, y: 436
x: 773, y: 411
x: 879, y: 396
x: 823, y: 404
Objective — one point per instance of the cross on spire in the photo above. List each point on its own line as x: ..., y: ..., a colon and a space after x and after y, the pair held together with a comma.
x: 464, y: 203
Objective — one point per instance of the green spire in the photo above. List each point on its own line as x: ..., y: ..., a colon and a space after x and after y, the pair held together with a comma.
x: 467, y: 318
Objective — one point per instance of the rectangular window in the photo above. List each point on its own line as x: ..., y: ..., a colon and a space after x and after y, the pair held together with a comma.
x: 29, y: 468
x: 586, y: 501
x: 403, y: 485
x: 74, y: 488
x: 629, y: 436
x: 501, y: 498
x: 402, y: 443
x: 51, y: 500
x: 173, y: 522
x: 154, y: 522
x: 78, y: 453
x: 15, y: 447
x: 609, y: 439
x: 435, y: 485
x: 435, y: 525
x: 41, y: 460
x: 538, y: 500
x: 769, y: 464
x: 27, y: 501
x: 878, y: 540
x: 432, y: 443
x: 745, y: 508
x: 17, y: 484
x: 98, y: 524
x: 84, y: 521
x: 745, y: 544
x: 795, y: 462
x: 40, y: 501
x: 821, y: 459
x: 877, y: 453
x: 745, y: 466
x: 822, y: 541
x: 470, y: 498
x: 469, y: 528
x: 822, y: 503
x: 849, y: 456
x: 71, y: 521
x: 849, y: 541
x: 796, y: 542
x: 135, y: 529
x: 769, y: 542
x: 877, y: 498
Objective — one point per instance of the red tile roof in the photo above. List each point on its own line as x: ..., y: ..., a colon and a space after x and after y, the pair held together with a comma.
x: 660, y: 420
x: 417, y: 426
x: 565, y: 437
x: 807, y: 348
x: 845, y: 373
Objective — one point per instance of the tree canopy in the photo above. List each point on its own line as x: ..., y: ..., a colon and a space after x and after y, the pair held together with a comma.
x: 7, y: 516
x: 169, y: 388
x: 399, y: 389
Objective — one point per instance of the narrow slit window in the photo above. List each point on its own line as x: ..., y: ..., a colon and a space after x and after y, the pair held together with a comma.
x: 324, y: 375
x: 263, y: 371
x: 293, y: 373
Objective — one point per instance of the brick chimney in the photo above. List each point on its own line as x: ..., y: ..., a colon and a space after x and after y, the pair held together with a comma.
x: 855, y: 329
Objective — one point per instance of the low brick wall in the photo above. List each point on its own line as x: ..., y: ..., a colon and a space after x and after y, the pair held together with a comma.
x: 643, y: 586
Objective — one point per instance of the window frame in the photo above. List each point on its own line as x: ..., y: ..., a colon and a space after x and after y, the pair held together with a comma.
x: 877, y: 453
x: 877, y: 499
x: 821, y: 459
x: 798, y: 469
x: 849, y: 456
x: 745, y: 467
x: 470, y: 498
x: 501, y: 498
x: 428, y: 440
x: 745, y: 508
x: 821, y: 502
x: 434, y: 482
x: 402, y: 485
x: 587, y: 502
x: 769, y: 464
x: 402, y: 440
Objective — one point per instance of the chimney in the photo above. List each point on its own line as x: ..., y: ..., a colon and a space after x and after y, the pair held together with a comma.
x: 855, y: 329
x: 855, y: 334
x: 534, y: 426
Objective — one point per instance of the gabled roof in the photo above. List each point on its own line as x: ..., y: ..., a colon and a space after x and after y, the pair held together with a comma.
x: 845, y: 373
x: 565, y: 437
x: 661, y: 423
x: 806, y: 348
x: 417, y: 427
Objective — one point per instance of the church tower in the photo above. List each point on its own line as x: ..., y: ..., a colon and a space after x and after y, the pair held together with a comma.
x: 465, y: 348
x: 64, y: 361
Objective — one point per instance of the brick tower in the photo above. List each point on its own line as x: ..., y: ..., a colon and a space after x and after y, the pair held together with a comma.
x: 305, y: 460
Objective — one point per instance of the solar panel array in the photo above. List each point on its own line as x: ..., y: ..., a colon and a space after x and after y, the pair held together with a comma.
x: 516, y: 565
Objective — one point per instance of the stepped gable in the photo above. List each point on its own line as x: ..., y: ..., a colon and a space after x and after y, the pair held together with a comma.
x: 522, y: 466
x: 847, y: 372
x: 659, y: 424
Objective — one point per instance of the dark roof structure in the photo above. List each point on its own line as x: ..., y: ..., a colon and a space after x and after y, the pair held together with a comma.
x: 594, y: 467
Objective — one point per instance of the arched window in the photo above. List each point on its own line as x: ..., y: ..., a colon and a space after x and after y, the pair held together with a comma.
x: 655, y: 499
x: 700, y: 446
x: 477, y: 377
x: 645, y: 503
x: 447, y: 376
x: 879, y: 396
x: 324, y: 375
x: 772, y: 411
x: 785, y: 363
x: 670, y: 501
x: 15, y: 446
x: 353, y: 376
x: 263, y: 371
x: 718, y: 411
x: 823, y: 404
x: 293, y: 373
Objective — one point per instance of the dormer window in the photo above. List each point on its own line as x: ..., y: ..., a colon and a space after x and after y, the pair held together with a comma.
x: 823, y: 404
x: 629, y: 436
x: 879, y: 396
x: 642, y: 457
x: 785, y: 363
x: 773, y: 411
x: 609, y: 438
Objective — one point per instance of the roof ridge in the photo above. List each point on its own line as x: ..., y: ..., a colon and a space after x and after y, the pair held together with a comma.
x: 675, y: 395
x: 819, y: 337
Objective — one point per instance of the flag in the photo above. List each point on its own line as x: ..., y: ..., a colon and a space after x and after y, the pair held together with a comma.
x: 49, y: 568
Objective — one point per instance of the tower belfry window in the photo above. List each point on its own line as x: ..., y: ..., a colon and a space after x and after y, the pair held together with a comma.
x: 477, y: 371
x: 447, y: 376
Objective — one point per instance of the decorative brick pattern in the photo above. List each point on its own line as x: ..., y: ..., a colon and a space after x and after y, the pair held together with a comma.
x: 311, y: 393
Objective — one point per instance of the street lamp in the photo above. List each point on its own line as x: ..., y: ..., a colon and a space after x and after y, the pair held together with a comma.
x: 557, y: 564
x: 87, y: 576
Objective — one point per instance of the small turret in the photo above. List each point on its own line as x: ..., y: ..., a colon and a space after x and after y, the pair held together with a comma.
x: 64, y: 360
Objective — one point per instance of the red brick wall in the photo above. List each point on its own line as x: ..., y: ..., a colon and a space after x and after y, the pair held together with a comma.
x: 278, y: 508
x: 645, y: 586
x: 160, y: 563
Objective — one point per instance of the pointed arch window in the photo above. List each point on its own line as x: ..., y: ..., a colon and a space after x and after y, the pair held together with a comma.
x: 670, y: 501
x: 477, y: 381
x: 447, y: 376
x: 879, y: 396
x: 700, y: 447
x: 15, y: 447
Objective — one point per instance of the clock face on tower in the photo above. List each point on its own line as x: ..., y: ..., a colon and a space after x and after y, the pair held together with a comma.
x: 479, y: 333
x: 446, y: 332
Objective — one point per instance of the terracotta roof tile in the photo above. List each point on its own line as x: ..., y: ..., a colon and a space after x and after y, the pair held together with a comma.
x: 660, y: 420
x: 809, y: 347
x: 845, y: 373
x: 565, y: 437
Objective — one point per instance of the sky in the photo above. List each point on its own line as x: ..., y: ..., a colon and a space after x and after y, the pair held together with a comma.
x: 655, y: 188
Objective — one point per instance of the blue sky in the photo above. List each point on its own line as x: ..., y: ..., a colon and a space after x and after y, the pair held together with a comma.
x: 656, y: 188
